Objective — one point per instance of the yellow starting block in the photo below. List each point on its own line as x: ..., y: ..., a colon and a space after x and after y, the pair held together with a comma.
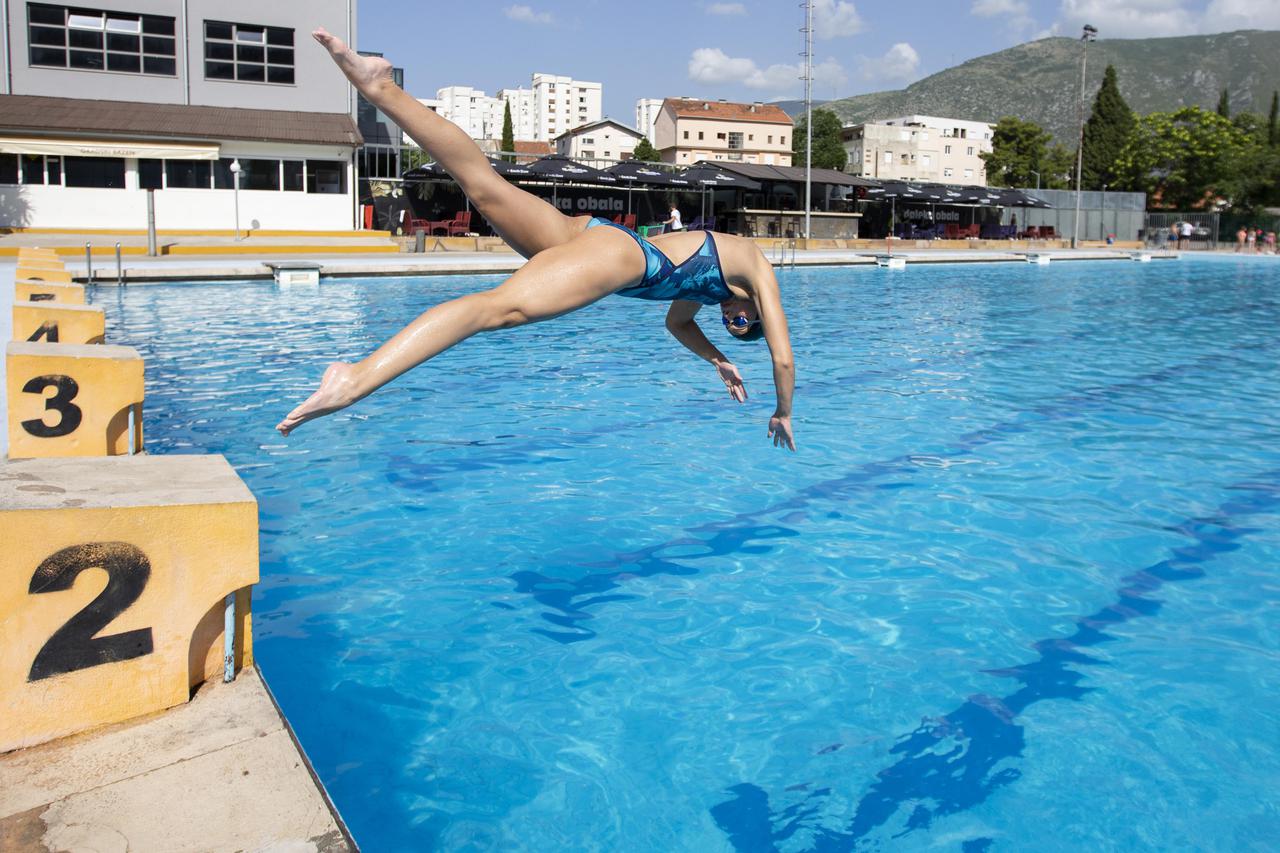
x: 58, y: 323
x: 113, y: 580
x: 43, y: 272
x: 73, y: 400
x: 32, y: 253
x: 33, y: 290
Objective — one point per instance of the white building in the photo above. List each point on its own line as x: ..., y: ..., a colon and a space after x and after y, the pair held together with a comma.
x: 472, y: 110
x: 600, y: 140
x: 647, y: 110
x: 552, y: 105
x: 920, y: 148
x: 99, y: 103
x: 524, y: 118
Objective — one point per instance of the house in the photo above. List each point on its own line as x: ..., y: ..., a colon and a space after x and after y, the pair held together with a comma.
x: 600, y: 140
x: 101, y: 103
x: 688, y: 130
x: 919, y: 148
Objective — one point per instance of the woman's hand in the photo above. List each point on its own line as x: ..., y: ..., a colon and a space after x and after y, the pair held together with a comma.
x: 732, y: 380
x: 780, y: 431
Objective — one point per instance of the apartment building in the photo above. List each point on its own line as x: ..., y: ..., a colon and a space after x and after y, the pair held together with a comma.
x: 647, y: 110
x: 919, y: 148
x: 689, y: 129
x: 101, y: 102
x: 524, y: 118
x: 600, y: 140
x: 472, y: 110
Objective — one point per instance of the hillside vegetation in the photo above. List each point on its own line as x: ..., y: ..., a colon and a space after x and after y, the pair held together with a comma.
x: 1039, y: 81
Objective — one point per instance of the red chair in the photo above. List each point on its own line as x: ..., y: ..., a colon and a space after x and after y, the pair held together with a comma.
x: 617, y: 220
x: 1032, y: 233
x: 951, y: 231
x: 629, y: 221
x: 459, y: 225
x: 1046, y: 231
x: 973, y: 231
x: 412, y: 225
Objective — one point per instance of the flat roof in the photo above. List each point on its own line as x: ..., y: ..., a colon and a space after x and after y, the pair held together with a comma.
x: 34, y: 114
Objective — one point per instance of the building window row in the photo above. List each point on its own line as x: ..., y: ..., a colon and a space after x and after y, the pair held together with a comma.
x: 312, y: 176
x: 95, y: 40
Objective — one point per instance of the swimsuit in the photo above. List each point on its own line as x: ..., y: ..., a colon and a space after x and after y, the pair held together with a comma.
x: 697, y: 279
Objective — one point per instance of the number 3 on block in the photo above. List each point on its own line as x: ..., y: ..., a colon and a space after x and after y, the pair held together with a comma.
x: 73, y: 400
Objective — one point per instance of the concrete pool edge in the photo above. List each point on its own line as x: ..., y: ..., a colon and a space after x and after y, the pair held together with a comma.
x: 480, y: 263
x: 224, y: 771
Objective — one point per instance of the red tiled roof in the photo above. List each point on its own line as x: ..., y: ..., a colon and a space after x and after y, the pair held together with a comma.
x: 697, y: 108
x: 532, y: 147
x: 37, y: 114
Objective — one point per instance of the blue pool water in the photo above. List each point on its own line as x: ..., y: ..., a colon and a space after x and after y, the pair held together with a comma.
x: 555, y: 591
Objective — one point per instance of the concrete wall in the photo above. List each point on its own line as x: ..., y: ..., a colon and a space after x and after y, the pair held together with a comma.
x: 318, y: 85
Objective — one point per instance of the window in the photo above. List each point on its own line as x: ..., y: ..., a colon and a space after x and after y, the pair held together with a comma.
x: 735, y: 141
x: 968, y: 173
x: 686, y: 134
x: 970, y: 152
x: 588, y: 140
x: 905, y: 159
x: 946, y: 149
x: 925, y: 160
x: 589, y: 154
x: 293, y: 176
x: 699, y: 135
x: 93, y: 40
x: 888, y: 158
x: 771, y: 139
x: 101, y: 172
x: 188, y: 174
x: 719, y: 136
x: 32, y: 168
x: 326, y: 177
x: 782, y: 140
x: 947, y: 172
x: 248, y: 53
x: 150, y: 174
x: 751, y: 137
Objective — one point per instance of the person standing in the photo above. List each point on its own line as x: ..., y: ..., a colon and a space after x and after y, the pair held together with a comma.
x: 1251, y: 240
x: 1185, y: 230
x: 672, y: 221
x: 1241, y: 236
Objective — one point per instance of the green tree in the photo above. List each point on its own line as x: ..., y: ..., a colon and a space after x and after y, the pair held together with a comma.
x: 1224, y: 104
x: 1273, y: 127
x: 828, y: 147
x: 1106, y: 133
x: 508, y: 133
x: 646, y: 152
x: 1059, y: 165
x: 1183, y: 159
x: 1018, y: 150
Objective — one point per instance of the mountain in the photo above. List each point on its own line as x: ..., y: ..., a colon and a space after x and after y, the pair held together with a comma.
x: 1040, y: 81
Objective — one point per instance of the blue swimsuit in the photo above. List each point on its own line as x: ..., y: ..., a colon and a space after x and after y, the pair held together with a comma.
x: 698, y: 279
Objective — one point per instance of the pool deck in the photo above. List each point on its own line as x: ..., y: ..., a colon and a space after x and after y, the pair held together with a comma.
x: 222, y: 772
x: 141, y: 270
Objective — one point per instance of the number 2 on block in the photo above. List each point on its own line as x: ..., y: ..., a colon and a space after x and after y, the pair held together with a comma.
x: 74, y: 646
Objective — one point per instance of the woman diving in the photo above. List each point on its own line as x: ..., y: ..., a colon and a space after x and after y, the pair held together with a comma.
x: 572, y: 262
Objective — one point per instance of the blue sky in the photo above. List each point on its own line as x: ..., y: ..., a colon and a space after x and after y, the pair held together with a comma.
x: 747, y: 50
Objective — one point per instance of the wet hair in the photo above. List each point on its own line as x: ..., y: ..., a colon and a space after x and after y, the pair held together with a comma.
x: 754, y: 332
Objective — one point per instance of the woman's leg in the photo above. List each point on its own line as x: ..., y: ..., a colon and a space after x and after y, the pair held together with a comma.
x: 526, y: 222
x: 554, y: 282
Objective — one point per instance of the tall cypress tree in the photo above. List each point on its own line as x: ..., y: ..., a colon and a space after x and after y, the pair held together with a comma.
x: 1224, y: 104
x: 508, y: 133
x: 1108, y: 129
x: 1273, y: 127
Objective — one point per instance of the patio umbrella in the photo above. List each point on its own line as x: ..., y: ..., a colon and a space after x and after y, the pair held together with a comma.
x: 633, y: 172
x: 558, y: 168
x: 708, y: 175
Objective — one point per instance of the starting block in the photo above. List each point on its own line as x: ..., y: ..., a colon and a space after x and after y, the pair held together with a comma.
x: 35, y: 253
x: 114, y: 578
x: 58, y: 323
x: 73, y: 400
x: 43, y: 272
x: 34, y: 290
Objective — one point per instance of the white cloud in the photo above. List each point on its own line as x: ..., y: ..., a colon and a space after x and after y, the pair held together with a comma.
x: 712, y: 65
x: 899, y: 64
x: 726, y: 9
x: 1129, y: 18
x: 998, y: 8
x: 835, y: 18
x: 527, y: 15
x: 1243, y: 15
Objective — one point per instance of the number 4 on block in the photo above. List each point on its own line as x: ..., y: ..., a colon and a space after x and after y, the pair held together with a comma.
x: 113, y: 577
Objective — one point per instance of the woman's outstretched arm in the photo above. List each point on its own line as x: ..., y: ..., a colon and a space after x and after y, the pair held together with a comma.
x: 776, y: 334
x: 527, y: 223
x: 683, y: 327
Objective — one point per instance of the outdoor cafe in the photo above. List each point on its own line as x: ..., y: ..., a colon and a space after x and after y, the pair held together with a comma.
x: 745, y: 199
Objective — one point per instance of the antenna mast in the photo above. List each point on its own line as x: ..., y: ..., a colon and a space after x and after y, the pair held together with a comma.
x: 808, y: 112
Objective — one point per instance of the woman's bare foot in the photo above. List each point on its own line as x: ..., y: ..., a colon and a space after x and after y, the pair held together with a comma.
x: 366, y: 73
x: 337, y: 391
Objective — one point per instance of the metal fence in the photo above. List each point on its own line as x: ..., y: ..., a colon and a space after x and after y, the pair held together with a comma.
x: 1120, y: 215
x: 1204, y: 229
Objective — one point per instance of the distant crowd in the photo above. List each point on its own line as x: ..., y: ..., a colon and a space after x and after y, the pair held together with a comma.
x: 1254, y: 241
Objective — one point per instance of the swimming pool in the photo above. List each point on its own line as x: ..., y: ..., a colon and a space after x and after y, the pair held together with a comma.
x: 555, y: 591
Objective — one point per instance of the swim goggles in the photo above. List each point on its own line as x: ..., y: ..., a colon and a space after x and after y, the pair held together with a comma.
x: 738, y: 322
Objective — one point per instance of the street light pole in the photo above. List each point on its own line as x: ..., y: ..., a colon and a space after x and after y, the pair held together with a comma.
x: 1090, y: 33
x: 235, y: 184
x: 808, y: 114
x: 1037, y: 174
